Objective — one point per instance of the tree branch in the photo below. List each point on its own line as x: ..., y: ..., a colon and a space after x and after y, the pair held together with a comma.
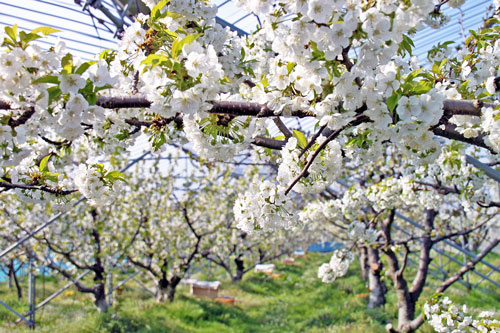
x: 357, y: 120
x: 282, y: 127
x: 417, y: 322
x: 37, y: 187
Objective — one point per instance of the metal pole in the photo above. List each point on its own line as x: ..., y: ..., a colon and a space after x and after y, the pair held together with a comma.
x: 26, y: 320
x: 58, y: 292
x: 489, y: 171
x: 55, y: 218
x: 31, y: 293
x: 131, y: 276
x: 143, y: 286
x: 109, y: 287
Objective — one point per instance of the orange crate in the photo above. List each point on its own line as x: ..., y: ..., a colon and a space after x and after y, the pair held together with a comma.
x: 225, y: 300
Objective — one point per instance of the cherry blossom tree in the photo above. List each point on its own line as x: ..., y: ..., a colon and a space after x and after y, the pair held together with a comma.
x: 448, y: 212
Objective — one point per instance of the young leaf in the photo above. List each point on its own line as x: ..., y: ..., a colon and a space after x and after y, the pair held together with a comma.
x: 54, y: 93
x: 28, y: 37
x: 301, y: 138
x: 156, y: 11
x: 392, y: 102
x: 47, y: 79
x: 115, y: 175
x: 44, y: 30
x: 83, y: 67
x: 67, y: 63
x: 12, y: 32
x: 177, y: 45
x: 43, y: 163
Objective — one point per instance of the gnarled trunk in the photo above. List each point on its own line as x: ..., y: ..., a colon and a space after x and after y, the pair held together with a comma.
x: 363, y: 263
x: 240, y: 269
x: 166, y: 289
x: 100, y: 298
x: 375, y: 284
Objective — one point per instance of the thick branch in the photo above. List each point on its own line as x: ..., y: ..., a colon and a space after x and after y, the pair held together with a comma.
x: 36, y: 187
x: 425, y: 257
x: 450, y: 132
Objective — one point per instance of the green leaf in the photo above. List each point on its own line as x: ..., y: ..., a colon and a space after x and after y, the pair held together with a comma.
x: 44, y: 30
x: 115, y: 175
x: 156, y: 11
x: 301, y: 138
x: 12, y: 32
x: 47, y: 79
x: 156, y: 60
x: 52, y: 176
x: 290, y: 67
x: 265, y: 82
x: 171, y: 14
x: 67, y: 63
x: 54, y: 93
x: 43, y: 163
x: 422, y: 87
x: 177, y: 45
x: 392, y: 102
x: 28, y: 37
x: 83, y: 67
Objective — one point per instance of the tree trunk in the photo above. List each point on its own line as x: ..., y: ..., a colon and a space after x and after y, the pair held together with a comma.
x: 363, y: 262
x: 171, y: 292
x: 13, y: 277
x: 240, y: 269
x: 18, y: 287
x: 166, y: 289
x: 161, y: 293
x: 100, y: 298
x: 406, y: 314
x: 375, y: 284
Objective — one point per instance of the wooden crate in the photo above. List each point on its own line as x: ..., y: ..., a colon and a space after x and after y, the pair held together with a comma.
x: 204, y: 292
x: 225, y: 300
x: 288, y: 261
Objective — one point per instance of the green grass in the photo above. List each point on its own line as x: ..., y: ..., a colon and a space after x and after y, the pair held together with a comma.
x: 296, y: 302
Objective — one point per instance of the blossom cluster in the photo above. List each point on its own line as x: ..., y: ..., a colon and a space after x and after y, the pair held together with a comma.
x: 322, y: 172
x: 444, y: 317
x: 264, y: 207
x: 337, y: 267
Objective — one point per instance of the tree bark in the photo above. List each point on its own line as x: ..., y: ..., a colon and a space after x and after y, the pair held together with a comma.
x: 13, y: 277
x: 375, y: 284
x: 240, y: 269
x: 363, y: 262
x: 100, y: 297
x: 166, y: 289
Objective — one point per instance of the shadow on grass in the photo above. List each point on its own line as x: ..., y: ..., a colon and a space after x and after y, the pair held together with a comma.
x: 262, y: 286
x: 230, y: 316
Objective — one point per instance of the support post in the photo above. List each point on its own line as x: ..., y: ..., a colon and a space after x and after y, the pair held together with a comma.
x: 31, y: 293
x: 109, y: 287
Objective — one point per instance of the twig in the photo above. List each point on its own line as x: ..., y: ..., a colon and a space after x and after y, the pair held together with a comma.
x: 357, y: 120
x: 282, y: 127
x: 313, y: 140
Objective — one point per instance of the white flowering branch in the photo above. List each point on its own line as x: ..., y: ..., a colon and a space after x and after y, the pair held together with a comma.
x: 44, y: 188
x: 357, y: 120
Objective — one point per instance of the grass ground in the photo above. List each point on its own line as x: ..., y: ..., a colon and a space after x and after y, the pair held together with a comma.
x: 296, y: 302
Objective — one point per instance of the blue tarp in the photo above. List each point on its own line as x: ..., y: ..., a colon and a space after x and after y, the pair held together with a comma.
x: 324, y: 247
